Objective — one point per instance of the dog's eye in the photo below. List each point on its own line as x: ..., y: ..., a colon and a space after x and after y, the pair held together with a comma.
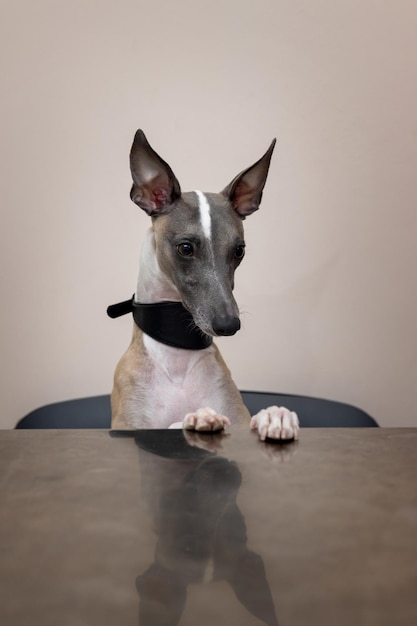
x: 239, y: 252
x: 185, y: 249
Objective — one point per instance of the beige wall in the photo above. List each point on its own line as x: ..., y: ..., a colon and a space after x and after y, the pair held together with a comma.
x: 328, y: 286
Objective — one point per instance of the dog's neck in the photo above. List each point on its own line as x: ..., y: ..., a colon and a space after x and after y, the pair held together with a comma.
x: 153, y: 285
x: 171, y: 324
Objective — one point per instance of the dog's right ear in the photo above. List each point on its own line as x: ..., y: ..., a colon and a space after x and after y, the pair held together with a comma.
x: 155, y: 187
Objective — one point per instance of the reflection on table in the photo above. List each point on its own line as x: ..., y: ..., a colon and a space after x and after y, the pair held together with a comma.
x: 165, y: 527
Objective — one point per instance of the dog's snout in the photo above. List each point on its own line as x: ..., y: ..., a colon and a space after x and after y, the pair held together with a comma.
x: 225, y: 325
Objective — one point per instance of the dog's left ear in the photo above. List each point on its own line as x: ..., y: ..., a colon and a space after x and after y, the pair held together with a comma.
x: 245, y: 191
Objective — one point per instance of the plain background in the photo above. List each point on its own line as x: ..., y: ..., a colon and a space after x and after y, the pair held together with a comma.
x: 328, y: 287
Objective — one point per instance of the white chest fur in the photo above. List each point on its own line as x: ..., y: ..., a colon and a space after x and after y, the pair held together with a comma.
x: 180, y: 381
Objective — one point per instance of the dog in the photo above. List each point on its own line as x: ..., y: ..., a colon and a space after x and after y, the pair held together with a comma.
x: 173, y: 375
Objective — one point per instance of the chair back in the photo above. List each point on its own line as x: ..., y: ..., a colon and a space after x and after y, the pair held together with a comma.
x: 95, y: 412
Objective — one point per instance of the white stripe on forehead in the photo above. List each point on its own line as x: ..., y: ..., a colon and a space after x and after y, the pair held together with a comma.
x: 205, y: 216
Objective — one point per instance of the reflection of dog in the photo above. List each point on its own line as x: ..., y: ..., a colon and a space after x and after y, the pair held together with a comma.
x: 184, y: 298
x: 201, y: 534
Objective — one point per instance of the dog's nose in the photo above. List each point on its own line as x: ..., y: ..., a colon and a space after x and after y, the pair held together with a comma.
x: 225, y: 325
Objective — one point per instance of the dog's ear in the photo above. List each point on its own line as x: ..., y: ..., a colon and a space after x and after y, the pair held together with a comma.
x: 245, y: 191
x: 155, y: 187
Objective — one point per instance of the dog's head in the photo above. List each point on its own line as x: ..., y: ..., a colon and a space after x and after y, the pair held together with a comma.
x: 198, y: 236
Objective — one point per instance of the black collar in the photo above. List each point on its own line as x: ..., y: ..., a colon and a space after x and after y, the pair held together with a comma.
x: 167, y: 322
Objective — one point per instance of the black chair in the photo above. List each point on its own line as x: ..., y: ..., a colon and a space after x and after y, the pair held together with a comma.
x: 95, y: 412
x: 90, y: 412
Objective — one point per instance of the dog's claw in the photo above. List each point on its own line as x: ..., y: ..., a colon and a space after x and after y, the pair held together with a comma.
x: 205, y: 420
x: 276, y: 423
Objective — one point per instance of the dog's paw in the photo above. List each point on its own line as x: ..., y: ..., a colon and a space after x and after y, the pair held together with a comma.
x: 205, y: 420
x: 276, y: 423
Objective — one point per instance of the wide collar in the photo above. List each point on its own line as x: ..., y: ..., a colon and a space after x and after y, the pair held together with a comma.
x: 167, y: 322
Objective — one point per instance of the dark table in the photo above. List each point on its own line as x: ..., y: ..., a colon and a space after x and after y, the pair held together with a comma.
x: 155, y: 528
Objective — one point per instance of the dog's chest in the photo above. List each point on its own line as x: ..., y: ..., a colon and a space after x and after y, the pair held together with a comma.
x: 179, y: 381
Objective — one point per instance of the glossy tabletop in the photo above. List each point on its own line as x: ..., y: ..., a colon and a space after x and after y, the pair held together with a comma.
x: 156, y: 528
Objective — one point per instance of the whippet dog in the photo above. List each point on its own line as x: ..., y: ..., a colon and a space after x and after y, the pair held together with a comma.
x: 172, y: 374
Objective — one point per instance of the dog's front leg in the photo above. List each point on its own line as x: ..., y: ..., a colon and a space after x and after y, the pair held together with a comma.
x: 276, y: 423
